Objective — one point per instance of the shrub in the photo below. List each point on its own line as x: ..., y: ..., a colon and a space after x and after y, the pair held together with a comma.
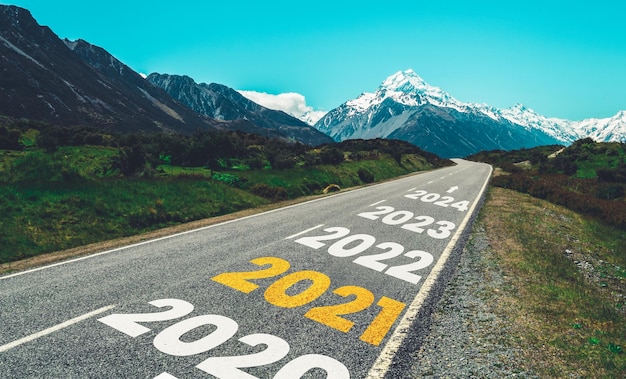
x: 272, y: 193
x: 331, y: 155
x: 365, y: 175
x: 230, y: 179
x: 610, y: 192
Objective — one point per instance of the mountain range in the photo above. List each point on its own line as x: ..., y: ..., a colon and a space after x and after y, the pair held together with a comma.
x: 65, y: 82
x: 405, y: 107
x: 224, y: 103
x: 70, y: 83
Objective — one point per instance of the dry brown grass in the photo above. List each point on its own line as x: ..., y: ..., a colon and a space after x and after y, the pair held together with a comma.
x: 565, y: 324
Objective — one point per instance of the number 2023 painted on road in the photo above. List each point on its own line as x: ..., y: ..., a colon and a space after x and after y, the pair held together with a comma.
x: 169, y: 342
x: 394, y: 217
x: 318, y: 284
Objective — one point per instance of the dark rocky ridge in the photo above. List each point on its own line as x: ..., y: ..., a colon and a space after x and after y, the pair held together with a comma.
x: 224, y: 103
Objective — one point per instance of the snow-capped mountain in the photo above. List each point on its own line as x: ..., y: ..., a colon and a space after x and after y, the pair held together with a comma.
x: 604, y: 129
x: 406, y: 107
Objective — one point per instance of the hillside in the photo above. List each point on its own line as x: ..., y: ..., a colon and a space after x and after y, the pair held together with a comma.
x: 540, y: 291
x: 75, y: 83
x: 223, y: 103
x: 63, y: 187
x: 588, y: 177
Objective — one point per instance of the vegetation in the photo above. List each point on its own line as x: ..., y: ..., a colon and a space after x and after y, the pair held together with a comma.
x: 564, y: 289
x: 562, y: 254
x: 587, y: 177
x: 62, y: 187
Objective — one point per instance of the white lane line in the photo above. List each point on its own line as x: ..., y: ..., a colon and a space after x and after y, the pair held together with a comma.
x: 304, y: 232
x: 54, y: 328
x: 379, y: 202
x: 384, y: 360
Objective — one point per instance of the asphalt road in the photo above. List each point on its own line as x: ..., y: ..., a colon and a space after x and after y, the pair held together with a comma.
x: 333, y: 288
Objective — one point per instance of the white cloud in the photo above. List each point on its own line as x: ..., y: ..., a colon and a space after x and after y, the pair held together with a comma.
x: 291, y: 103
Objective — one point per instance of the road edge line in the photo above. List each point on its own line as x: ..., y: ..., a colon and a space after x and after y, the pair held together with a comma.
x: 385, y: 358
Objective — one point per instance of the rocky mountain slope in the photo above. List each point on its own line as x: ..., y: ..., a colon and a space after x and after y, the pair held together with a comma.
x: 406, y: 107
x: 224, y: 103
x: 65, y: 82
x: 72, y: 83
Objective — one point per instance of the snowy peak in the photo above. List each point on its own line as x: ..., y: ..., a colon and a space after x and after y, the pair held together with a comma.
x: 604, y: 129
x: 406, y: 88
x: 405, y: 106
x: 405, y: 81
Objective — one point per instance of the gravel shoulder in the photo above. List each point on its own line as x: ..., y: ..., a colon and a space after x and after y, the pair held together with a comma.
x: 469, y: 338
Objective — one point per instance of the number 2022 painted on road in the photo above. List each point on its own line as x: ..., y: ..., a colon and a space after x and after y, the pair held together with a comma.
x: 403, y: 217
x: 318, y: 284
x: 169, y: 342
x: 437, y: 199
x: 360, y: 243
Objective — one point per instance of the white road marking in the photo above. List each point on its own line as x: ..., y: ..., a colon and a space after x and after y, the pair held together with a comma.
x: 54, y: 328
x: 379, y: 202
x: 383, y: 362
x: 304, y: 232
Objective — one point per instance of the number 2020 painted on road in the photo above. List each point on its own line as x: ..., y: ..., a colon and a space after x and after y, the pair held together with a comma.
x: 169, y: 342
x: 318, y: 284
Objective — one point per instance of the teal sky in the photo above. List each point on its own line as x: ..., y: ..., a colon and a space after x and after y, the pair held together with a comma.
x: 564, y: 59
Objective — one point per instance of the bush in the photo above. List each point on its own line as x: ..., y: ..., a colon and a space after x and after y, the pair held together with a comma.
x: 230, y: 179
x: 331, y: 155
x: 272, y: 193
x: 131, y: 160
x: 365, y: 175
x: 610, y: 192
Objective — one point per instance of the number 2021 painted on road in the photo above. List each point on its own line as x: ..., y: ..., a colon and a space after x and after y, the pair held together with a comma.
x: 394, y: 217
x: 169, y: 342
x: 318, y: 284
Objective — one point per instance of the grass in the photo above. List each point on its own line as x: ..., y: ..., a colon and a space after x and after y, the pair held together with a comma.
x: 45, y: 218
x: 569, y: 319
x: 72, y: 197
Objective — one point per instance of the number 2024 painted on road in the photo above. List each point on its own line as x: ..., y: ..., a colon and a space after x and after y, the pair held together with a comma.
x: 169, y: 342
x: 437, y: 199
x: 318, y: 284
x: 359, y: 243
x: 403, y: 218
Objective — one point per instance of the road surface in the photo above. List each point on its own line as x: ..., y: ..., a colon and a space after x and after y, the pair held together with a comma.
x: 330, y: 288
